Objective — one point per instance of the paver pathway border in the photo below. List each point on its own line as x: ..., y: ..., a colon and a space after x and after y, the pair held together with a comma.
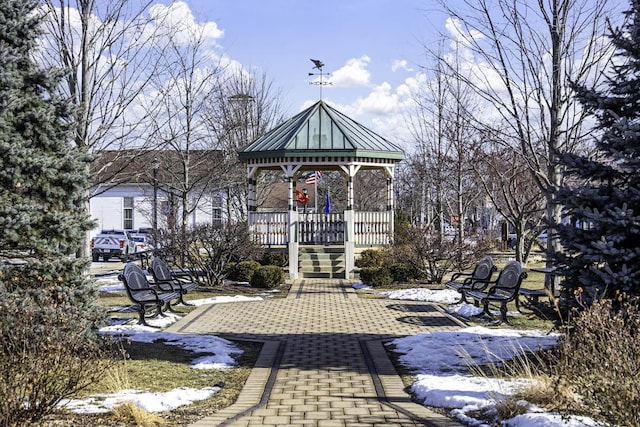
x: 323, y: 360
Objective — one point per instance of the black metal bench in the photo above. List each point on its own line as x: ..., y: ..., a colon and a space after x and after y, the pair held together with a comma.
x: 145, y: 295
x: 502, y: 291
x: 162, y: 275
x: 477, y: 280
x: 532, y: 297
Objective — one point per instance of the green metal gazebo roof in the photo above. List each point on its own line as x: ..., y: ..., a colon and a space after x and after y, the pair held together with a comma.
x: 321, y: 131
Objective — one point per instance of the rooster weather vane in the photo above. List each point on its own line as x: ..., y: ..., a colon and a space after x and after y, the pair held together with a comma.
x: 318, y: 66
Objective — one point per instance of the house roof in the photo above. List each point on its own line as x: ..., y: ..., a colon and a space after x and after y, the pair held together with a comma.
x: 112, y: 167
x: 321, y: 131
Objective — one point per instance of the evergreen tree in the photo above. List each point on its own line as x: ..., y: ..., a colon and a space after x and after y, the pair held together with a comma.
x: 48, y: 306
x: 602, y: 242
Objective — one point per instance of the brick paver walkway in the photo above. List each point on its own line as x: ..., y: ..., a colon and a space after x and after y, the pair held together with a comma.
x: 323, y: 362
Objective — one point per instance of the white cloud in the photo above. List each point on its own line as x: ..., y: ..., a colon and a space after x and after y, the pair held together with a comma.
x: 400, y: 64
x: 384, y: 109
x: 178, y: 19
x: 354, y: 73
x: 459, y: 35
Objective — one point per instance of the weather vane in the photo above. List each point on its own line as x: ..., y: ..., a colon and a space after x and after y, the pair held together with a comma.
x: 318, y: 65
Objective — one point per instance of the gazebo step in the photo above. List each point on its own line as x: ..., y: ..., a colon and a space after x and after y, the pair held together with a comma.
x: 328, y: 275
x: 321, y: 262
x: 320, y: 249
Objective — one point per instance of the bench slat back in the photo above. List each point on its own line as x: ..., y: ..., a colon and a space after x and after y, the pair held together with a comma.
x: 160, y: 270
x: 137, y: 281
x: 128, y: 268
x: 484, y: 269
x: 134, y: 277
x: 510, y: 276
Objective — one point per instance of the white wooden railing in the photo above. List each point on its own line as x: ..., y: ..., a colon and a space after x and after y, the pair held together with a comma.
x: 269, y: 228
x: 320, y: 229
x: 370, y: 228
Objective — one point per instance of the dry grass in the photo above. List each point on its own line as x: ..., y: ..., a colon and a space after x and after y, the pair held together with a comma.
x: 128, y: 413
x: 157, y: 367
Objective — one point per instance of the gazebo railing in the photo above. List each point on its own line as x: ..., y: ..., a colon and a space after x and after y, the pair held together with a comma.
x: 372, y: 228
x: 272, y: 228
x: 269, y: 228
x: 320, y: 229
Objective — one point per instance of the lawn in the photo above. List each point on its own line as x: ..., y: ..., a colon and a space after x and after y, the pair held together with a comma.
x: 158, y: 367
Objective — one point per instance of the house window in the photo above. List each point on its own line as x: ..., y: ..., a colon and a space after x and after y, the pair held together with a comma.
x: 216, y: 208
x: 128, y: 213
x: 217, y: 215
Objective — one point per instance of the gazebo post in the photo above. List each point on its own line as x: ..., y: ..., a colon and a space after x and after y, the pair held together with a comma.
x: 349, y: 223
x: 292, y: 244
x: 389, y: 170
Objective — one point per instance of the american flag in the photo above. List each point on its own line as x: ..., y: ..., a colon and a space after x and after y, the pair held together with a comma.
x: 314, y: 177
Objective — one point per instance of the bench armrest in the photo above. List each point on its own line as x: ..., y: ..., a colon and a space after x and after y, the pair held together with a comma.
x: 481, y: 285
x: 460, y: 274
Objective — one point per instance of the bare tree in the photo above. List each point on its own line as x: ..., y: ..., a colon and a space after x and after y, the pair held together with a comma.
x: 442, y: 128
x: 522, y: 56
x: 428, y: 160
x: 370, y: 188
x: 245, y: 105
x: 184, y: 89
x: 103, y: 49
x: 513, y: 192
x: 108, y: 53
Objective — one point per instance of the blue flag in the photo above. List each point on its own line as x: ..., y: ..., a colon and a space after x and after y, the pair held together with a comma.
x: 327, y: 206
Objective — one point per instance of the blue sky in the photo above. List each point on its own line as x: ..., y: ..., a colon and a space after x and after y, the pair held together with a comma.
x: 375, y: 50
x: 282, y: 35
x: 370, y: 47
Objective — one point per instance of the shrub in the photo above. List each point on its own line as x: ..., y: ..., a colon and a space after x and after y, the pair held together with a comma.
x: 243, y: 271
x: 376, y: 276
x: 403, y: 273
x: 275, y: 258
x: 370, y: 258
x: 267, y: 276
x: 433, y: 257
x: 211, y: 249
x: 600, y: 358
x: 45, y: 355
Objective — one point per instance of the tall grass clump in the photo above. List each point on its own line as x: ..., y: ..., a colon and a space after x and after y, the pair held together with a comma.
x: 527, y: 365
x: 599, y: 359
x: 129, y: 413
x: 592, y: 371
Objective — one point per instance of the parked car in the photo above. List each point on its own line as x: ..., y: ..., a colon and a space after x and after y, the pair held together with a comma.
x: 112, y: 243
x: 142, y: 242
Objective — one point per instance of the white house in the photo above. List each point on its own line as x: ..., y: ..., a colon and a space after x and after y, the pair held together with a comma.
x: 126, y: 185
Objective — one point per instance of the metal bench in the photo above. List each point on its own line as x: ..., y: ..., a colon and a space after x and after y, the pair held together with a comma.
x: 532, y: 297
x: 477, y: 280
x: 503, y: 290
x: 145, y: 295
x: 162, y: 275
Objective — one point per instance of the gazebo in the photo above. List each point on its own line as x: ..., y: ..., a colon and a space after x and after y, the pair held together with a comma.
x: 321, y: 138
